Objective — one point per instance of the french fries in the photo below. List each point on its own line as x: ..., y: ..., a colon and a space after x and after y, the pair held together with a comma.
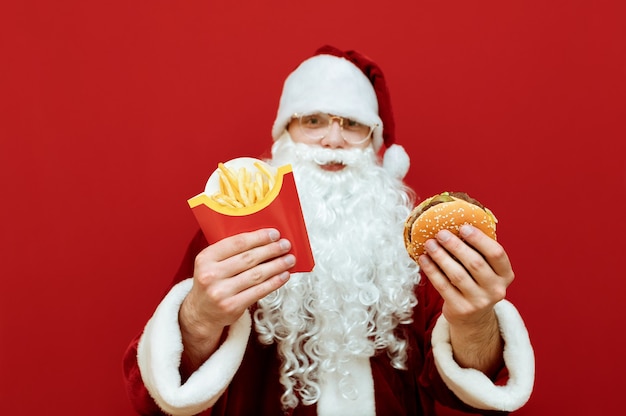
x: 243, y: 187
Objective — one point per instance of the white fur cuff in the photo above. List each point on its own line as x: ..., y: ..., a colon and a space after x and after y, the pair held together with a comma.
x: 159, y: 355
x: 474, y: 387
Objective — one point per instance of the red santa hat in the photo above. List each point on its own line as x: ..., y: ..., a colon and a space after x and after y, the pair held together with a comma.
x: 347, y: 84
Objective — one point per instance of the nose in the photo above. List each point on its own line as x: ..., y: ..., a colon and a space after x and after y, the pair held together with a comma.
x: 334, y: 138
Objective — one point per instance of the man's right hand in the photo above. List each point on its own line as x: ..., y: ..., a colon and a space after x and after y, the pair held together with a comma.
x: 229, y: 276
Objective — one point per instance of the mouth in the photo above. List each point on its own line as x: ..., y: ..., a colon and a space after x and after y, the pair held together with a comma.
x: 332, y: 166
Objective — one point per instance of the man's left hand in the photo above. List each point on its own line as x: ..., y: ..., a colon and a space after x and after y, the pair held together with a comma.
x: 472, y: 273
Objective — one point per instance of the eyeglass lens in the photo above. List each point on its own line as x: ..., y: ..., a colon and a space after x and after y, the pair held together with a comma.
x: 316, y: 126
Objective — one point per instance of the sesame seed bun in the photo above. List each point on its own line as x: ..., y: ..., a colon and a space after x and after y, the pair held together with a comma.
x: 448, y: 210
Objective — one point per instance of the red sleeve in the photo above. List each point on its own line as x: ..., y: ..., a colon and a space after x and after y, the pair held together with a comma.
x: 137, y: 392
x: 431, y: 383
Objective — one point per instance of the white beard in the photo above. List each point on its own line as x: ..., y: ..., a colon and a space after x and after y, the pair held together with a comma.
x: 362, y: 286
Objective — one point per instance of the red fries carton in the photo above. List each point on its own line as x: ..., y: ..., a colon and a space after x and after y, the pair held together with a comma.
x: 260, y: 204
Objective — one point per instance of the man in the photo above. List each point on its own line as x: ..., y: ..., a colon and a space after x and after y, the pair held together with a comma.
x: 363, y: 333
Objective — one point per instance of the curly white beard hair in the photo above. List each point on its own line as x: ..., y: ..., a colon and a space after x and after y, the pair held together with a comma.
x: 362, y: 286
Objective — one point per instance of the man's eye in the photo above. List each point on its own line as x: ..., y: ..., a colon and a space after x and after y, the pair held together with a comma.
x: 312, y: 121
x: 352, y: 123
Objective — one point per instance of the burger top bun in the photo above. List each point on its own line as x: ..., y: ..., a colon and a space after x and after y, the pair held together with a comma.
x: 448, y: 210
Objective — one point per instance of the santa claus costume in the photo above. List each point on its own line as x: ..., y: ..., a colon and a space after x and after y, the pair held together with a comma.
x: 363, y: 333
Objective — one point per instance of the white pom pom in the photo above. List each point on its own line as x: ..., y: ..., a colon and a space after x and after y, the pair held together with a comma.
x: 396, y: 161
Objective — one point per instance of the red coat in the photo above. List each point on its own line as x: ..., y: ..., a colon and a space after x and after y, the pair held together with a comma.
x: 255, y: 388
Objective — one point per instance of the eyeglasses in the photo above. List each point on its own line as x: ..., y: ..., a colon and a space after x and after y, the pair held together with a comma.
x: 316, y: 126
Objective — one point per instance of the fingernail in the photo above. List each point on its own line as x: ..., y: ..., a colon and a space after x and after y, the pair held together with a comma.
x: 274, y: 235
x: 285, y: 244
x: 444, y: 235
x: 290, y: 259
x: 466, y: 230
x: 430, y: 245
x: 284, y: 276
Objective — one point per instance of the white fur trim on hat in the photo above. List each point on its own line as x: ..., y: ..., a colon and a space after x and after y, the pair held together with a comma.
x: 329, y: 84
x: 159, y: 354
x: 473, y: 386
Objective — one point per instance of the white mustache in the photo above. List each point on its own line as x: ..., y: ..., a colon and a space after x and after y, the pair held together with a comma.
x: 323, y: 156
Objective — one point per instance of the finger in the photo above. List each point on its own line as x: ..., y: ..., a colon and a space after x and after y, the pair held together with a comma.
x: 231, y: 246
x: 255, y: 284
x: 258, y: 292
x: 231, y: 294
x: 449, y: 263
x: 473, y: 263
x: 217, y: 261
x: 438, y: 279
x: 223, y: 272
x: 257, y: 263
x: 490, y: 250
x: 478, y: 279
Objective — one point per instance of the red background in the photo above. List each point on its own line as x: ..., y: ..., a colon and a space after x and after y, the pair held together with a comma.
x: 113, y: 113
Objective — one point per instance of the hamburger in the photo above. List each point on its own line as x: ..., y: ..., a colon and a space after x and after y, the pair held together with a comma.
x: 448, y: 210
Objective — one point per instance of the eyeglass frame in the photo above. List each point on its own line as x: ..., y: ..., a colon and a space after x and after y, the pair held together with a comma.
x: 331, y: 118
